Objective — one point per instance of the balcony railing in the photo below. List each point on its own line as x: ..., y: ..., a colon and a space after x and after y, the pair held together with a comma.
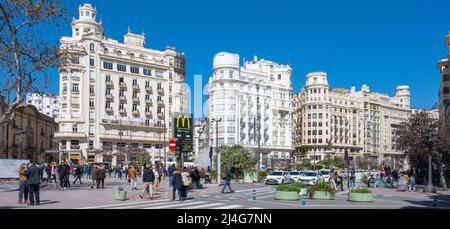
x: 123, y: 85
x: 109, y: 109
x: 136, y: 112
x: 149, y: 115
x: 123, y: 98
x: 160, y: 115
x: 160, y: 103
x: 129, y: 123
x: 109, y: 83
x: 149, y: 89
x: 136, y: 87
x: 149, y: 101
x: 109, y: 97
x: 136, y: 100
x: 122, y: 111
x: 74, y: 146
x: 160, y: 91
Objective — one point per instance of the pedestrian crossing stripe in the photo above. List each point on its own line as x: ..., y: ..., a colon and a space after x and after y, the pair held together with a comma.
x: 127, y: 204
x: 229, y: 207
x: 161, y: 205
x: 203, y: 206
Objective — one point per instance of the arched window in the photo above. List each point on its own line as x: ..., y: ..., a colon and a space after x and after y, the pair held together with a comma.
x: 92, y: 47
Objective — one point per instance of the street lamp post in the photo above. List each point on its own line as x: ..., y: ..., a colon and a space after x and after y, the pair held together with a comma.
x: 217, y: 150
x: 431, y: 138
x: 20, y: 134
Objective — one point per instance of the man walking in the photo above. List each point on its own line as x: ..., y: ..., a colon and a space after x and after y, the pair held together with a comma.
x: 352, y: 178
x: 63, y: 172
x: 148, y: 177
x: 227, y: 181
x: 101, y: 175
x: 177, y: 184
x: 78, y: 174
x: 132, y: 177
x: 33, y: 175
x: 170, y: 171
x: 94, y: 176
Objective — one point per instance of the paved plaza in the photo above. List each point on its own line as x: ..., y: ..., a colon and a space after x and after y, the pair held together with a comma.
x: 83, y: 197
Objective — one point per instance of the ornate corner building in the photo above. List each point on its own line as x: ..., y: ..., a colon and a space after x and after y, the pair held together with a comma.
x: 333, y: 121
x: 116, y: 97
x: 444, y: 90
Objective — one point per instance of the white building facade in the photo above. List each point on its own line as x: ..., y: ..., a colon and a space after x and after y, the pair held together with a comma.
x: 332, y: 122
x: 117, y: 97
x: 253, y: 103
x: 47, y: 104
x: 444, y: 90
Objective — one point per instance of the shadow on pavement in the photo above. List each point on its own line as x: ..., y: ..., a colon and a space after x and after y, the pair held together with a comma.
x: 442, y: 201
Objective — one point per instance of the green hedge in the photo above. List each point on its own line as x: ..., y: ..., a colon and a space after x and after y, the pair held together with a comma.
x: 294, y: 187
x: 361, y: 190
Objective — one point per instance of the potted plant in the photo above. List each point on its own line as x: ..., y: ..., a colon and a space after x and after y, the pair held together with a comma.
x: 360, y: 195
x: 322, y: 191
x: 120, y: 194
x: 290, y: 191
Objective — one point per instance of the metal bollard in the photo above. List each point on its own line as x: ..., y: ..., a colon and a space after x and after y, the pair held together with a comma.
x: 254, y: 195
x: 435, y: 201
x: 303, y: 199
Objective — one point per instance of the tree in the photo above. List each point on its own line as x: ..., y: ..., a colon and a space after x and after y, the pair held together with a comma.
x: 25, y: 56
x: 442, y: 153
x: 238, y: 159
x: 366, y: 163
x: 413, y: 139
x: 330, y: 162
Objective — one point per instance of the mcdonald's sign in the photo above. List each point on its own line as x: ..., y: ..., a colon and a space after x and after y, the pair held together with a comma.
x: 183, y: 132
x: 185, y: 122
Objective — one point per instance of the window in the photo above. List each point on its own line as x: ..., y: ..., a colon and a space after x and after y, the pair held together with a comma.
x: 121, y: 106
x: 108, y: 104
x: 108, y: 78
x: 76, y: 60
x: 75, y: 87
x: 170, y: 99
x: 91, y: 62
x: 87, y: 13
x: 91, y: 116
x: 445, y: 90
x: 75, y: 144
x: 121, y: 67
x: 134, y: 107
x: 92, y: 47
x: 64, y: 87
x: 134, y: 70
x: 135, y: 82
x: 74, y: 128
x: 170, y: 75
x: 170, y: 87
x: 91, y: 103
x: 91, y: 143
x: 147, y: 84
x: 279, y: 76
x: 108, y: 91
x: 159, y: 86
x: 147, y: 109
x: 159, y: 73
x: 121, y: 93
x: 446, y: 78
x: 147, y: 97
x: 91, y: 89
x: 159, y: 98
x: 231, y: 129
x: 135, y: 95
x: 231, y: 74
x: 107, y: 65
x: 147, y: 72
x: 147, y: 122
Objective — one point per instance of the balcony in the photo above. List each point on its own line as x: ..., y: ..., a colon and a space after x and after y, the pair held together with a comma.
x: 242, y: 124
x: 123, y: 85
x: 149, y: 102
x: 160, y: 103
x: 109, y: 84
x: 109, y: 110
x: 149, y: 115
x: 122, y: 111
x: 136, y: 87
x: 136, y: 100
x: 123, y: 123
x: 149, y: 90
x: 65, y: 135
x: 123, y: 98
x: 109, y: 97
x: 160, y: 91
x: 76, y: 147
x: 161, y: 115
x: 136, y: 112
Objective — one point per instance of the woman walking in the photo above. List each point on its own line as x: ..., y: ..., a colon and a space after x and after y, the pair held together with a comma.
x: 185, y: 182
x: 132, y: 177
x: 23, y: 189
x: 157, y: 173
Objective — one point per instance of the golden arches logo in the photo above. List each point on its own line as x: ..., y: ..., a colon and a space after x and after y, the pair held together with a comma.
x: 184, y: 120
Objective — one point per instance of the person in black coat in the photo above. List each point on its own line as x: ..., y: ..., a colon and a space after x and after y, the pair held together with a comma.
x: 147, y: 177
x: 177, y: 183
x: 33, y: 175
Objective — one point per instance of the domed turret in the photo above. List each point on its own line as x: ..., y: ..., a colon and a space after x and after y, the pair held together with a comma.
x: 87, y: 24
x: 317, y: 79
x: 404, y: 95
x: 226, y: 60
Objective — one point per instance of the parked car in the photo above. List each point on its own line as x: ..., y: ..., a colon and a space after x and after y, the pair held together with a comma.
x: 295, y: 176
x: 309, y: 177
x: 325, y: 173
x: 278, y: 177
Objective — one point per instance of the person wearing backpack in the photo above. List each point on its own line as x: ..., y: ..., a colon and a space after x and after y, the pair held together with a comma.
x: 227, y: 176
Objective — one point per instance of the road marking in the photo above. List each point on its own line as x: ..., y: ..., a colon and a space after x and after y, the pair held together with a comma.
x: 229, y: 207
x: 204, y: 206
x: 254, y: 208
x: 177, y: 205
x: 126, y: 204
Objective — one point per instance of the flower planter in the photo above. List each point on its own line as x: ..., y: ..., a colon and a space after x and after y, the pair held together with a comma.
x: 120, y: 195
x: 281, y: 195
x: 360, y: 197
x: 322, y: 195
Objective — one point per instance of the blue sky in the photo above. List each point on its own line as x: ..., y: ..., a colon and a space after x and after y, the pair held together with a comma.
x: 380, y: 43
